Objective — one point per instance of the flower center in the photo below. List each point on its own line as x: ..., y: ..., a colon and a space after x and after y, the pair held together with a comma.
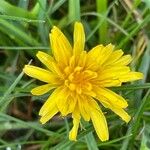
x: 79, y: 79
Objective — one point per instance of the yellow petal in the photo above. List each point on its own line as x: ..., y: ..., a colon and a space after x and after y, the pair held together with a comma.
x: 79, y: 39
x: 57, y: 70
x: 114, y: 72
x: 72, y: 62
x: 120, y: 112
x: 90, y: 74
x: 61, y: 47
x: 124, y: 60
x: 95, y: 52
x: 73, y: 132
x: 61, y: 101
x: 51, y: 102
x: 100, y: 124
x: 118, y: 69
x: 83, y: 107
x: 49, y: 114
x: 111, y: 97
x: 131, y: 76
x: 115, y: 55
x: 45, y: 59
x: 94, y: 57
x: 82, y: 59
x: 76, y: 120
x: 109, y: 83
x: 98, y: 119
x: 40, y: 74
x: 68, y: 105
x: 40, y: 90
x: 71, y: 103
x: 107, y: 51
x: 48, y: 110
x: 99, y: 55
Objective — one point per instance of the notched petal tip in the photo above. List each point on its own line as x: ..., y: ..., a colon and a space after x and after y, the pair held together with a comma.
x: 106, y: 138
x: 140, y: 75
x: 40, y: 90
x: 56, y: 31
x: 122, y: 113
x: 71, y: 137
x: 132, y: 76
x: 77, y: 23
x: 54, y: 28
x: 79, y: 38
x: 78, y: 26
x: 111, y: 46
x: 99, y: 122
x: 74, y: 131
x: 42, y: 120
x: 25, y: 69
x: 128, y: 118
x: 47, y: 114
x: 39, y: 53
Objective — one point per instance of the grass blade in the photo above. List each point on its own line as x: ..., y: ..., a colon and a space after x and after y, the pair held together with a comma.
x: 4, y: 99
x: 74, y: 10
x: 8, y: 9
x: 28, y: 124
x: 135, y: 123
x: 102, y: 9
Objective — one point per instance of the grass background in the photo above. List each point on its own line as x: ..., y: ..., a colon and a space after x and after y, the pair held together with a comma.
x: 24, y: 29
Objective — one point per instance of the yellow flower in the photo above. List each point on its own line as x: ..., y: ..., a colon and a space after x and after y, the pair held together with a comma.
x: 80, y: 80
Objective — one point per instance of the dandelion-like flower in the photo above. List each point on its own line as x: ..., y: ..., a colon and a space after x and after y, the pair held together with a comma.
x: 80, y: 80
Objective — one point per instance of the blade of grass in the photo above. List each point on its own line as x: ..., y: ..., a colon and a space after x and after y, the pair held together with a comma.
x: 144, y: 67
x: 129, y: 13
x: 24, y: 48
x: 12, y: 30
x: 91, y: 143
x: 145, y: 138
x: 4, y: 99
x: 113, y: 141
x: 132, y: 87
x: 23, y: 4
x: 14, y: 144
x: 135, y: 123
x: 102, y: 9
x: 43, y: 12
x: 35, y: 126
x: 8, y: 9
x: 107, y: 19
x: 41, y: 27
x: 74, y: 10
x: 56, y: 6
x: 134, y: 31
x: 104, y: 16
x: 21, y: 19
x: 14, y: 126
x: 66, y: 143
x: 89, y: 138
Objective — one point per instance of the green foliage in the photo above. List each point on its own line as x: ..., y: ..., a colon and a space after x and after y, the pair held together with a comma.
x: 24, y: 29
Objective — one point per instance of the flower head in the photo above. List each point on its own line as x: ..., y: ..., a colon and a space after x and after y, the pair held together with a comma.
x: 80, y: 80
